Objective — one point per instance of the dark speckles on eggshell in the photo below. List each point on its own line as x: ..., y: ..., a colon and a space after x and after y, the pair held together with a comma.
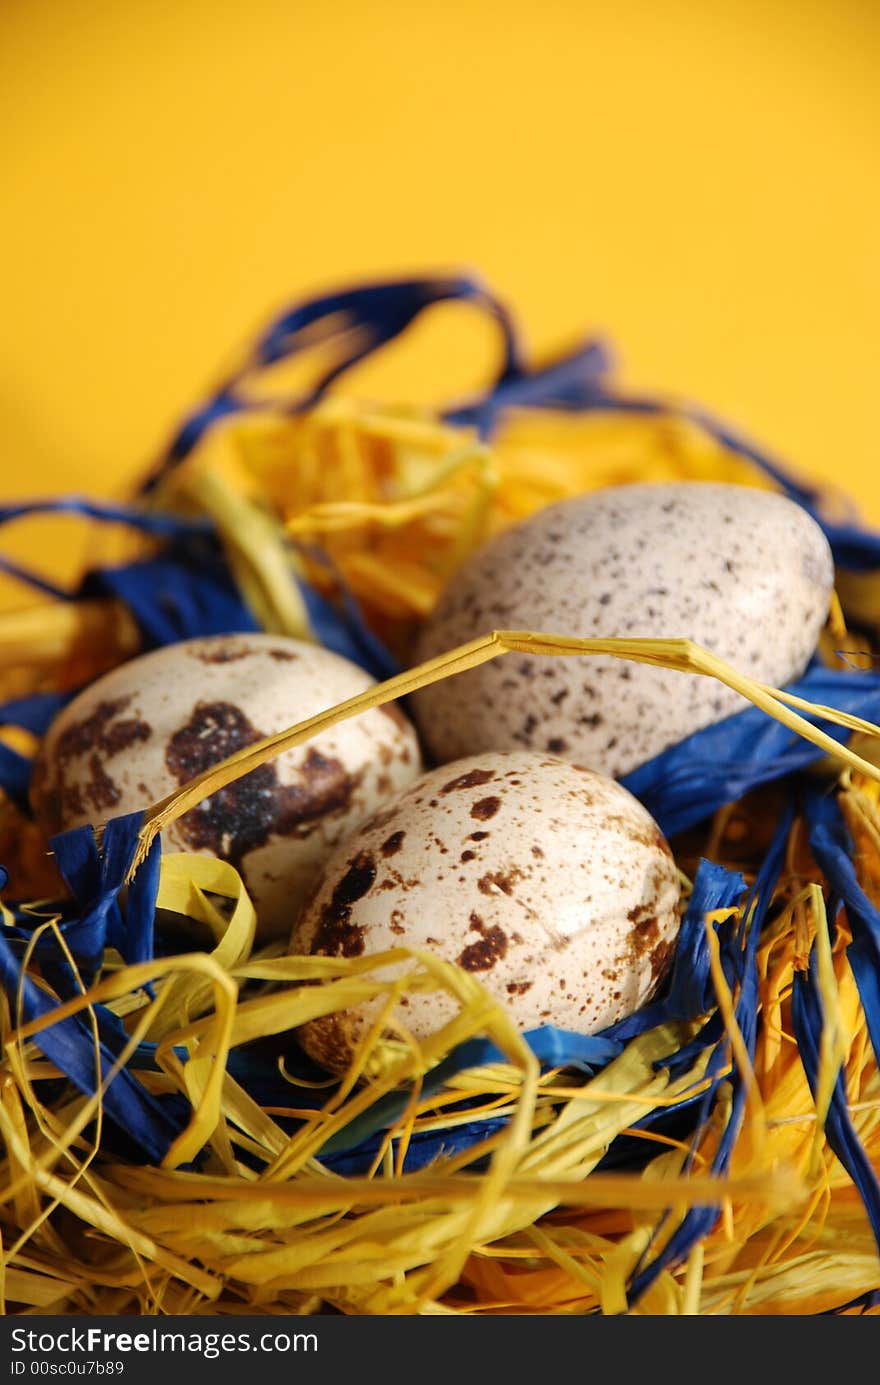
x: 99, y: 789
x: 743, y: 572
x: 100, y: 732
x: 220, y: 652
x: 337, y: 935
x: 123, y: 734
x: 503, y: 880
x: 153, y: 723
x: 482, y: 955
x: 472, y: 779
x: 392, y: 844
x: 59, y: 798
x: 244, y: 814
x: 541, y: 925
x: 660, y: 958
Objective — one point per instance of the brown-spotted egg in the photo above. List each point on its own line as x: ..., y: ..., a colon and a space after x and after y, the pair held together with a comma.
x: 140, y: 732
x: 743, y: 572
x: 549, y: 882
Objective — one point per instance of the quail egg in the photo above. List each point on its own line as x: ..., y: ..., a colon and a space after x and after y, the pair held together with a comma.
x: 149, y: 726
x: 549, y: 882
x: 745, y: 573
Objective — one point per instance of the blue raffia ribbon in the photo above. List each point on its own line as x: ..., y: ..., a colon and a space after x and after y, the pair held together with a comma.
x: 352, y: 324
x: 151, y: 1122
x: 355, y: 322
x: 185, y: 589
x: 739, y: 958
x: 95, y: 922
x: 719, y: 764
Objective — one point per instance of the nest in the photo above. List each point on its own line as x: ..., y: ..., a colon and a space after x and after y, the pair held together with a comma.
x: 168, y: 1149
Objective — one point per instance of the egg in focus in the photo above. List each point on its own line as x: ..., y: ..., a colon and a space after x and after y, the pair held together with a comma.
x: 745, y: 573
x: 549, y: 882
x: 149, y: 726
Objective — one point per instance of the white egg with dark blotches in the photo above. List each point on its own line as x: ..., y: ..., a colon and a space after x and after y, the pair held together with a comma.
x: 743, y: 572
x: 143, y: 730
x: 548, y: 882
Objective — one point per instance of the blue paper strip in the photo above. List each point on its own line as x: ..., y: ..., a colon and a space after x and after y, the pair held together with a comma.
x: 350, y: 324
x: 720, y: 763
x: 807, y: 1022
x: 833, y: 849
x: 699, y: 1221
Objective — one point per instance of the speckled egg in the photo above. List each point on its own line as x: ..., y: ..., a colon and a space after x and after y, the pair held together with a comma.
x: 549, y: 882
x: 149, y: 726
x: 745, y: 573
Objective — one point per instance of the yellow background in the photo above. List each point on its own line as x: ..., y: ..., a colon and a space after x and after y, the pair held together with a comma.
x: 697, y: 180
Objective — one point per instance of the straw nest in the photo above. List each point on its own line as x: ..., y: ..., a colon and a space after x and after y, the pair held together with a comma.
x: 562, y: 1197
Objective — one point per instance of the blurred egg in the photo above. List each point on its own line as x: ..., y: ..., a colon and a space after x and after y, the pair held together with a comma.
x: 152, y: 724
x: 745, y: 573
x: 549, y: 882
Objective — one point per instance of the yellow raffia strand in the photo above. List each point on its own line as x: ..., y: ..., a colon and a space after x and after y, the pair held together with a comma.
x: 678, y: 654
x: 306, y: 1198
x: 295, y: 1232
x: 770, y: 1264
x: 209, y: 1055
x: 396, y: 501
x: 264, y: 569
x: 183, y: 884
x: 299, y: 1231
x: 43, y: 635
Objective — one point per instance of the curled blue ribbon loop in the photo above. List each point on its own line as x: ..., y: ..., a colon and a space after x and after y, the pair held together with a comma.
x: 186, y: 590
x: 358, y: 321
x: 355, y: 322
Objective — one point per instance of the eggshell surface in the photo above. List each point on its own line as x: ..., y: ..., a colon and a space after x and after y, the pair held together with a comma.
x: 152, y: 724
x: 550, y: 883
x: 743, y: 572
